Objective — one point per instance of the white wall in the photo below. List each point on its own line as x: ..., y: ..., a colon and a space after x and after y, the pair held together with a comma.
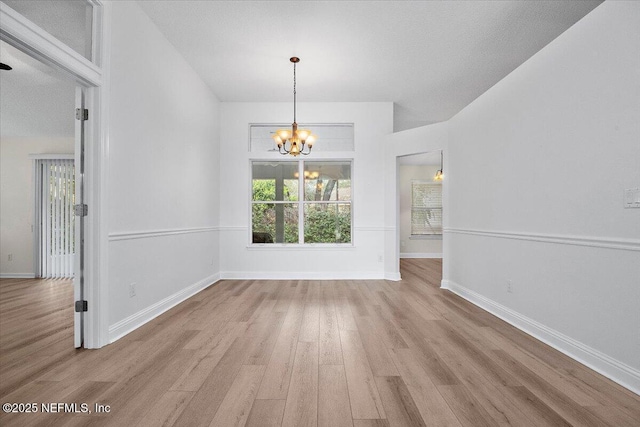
x: 414, y: 141
x: 163, y: 174
x: 16, y: 199
x: 416, y: 247
x: 561, y: 135
x: 372, y: 121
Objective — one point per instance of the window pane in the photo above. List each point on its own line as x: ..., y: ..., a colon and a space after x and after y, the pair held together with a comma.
x: 275, y: 181
x: 327, y: 223
x: 327, y: 181
x: 426, y: 195
x: 69, y: 21
x: 275, y: 222
x: 426, y: 221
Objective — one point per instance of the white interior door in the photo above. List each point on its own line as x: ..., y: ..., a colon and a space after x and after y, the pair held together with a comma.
x: 78, y: 281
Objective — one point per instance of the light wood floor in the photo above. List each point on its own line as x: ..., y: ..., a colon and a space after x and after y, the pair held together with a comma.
x: 300, y: 353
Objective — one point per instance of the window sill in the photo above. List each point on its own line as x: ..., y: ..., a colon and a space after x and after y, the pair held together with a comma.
x: 304, y: 247
x: 426, y: 237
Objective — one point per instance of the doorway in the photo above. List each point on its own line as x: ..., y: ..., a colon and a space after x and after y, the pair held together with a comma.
x: 72, y: 37
x: 38, y: 145
x: 420, y: 205
x: 420, y: 208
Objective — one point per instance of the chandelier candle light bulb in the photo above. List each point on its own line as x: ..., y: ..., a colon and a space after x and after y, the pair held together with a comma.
x: 293, y: 141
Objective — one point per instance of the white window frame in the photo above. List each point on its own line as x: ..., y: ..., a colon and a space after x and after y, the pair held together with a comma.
x: 301, y: 203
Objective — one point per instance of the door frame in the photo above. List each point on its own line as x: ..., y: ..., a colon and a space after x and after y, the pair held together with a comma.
x: 29, y: 38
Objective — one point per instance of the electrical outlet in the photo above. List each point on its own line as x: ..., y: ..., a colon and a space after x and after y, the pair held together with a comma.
x: 132, y: 290
x: 10, y: 257
x: 509, y: 287
x: 402, y: 243
x: 379, y: 258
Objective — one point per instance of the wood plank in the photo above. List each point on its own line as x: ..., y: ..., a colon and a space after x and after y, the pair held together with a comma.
x: 301, y: 408
x: 262, y: 347
x: 234, y: 409
x: 275, y: 383
x: 377, y: 353
x: 310, y: 329
x: 467, y: 409
x: 559, y: 402
x: 207, y: 358
x: 363, y: 393
x: 535, y: 409
x: 399, y: 406
x: 333, y: 398
x: 434, y: 409
x: 166, y: 410
x: 371, y: 423
x: 204, y: 404
x: 612, y: 416
x: 389, y: 333
x: 330, y: 347
x: 266, y: 413
x: 346, y: 322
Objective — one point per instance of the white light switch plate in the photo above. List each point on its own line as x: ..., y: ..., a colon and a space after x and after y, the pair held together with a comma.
x: 632, y: 198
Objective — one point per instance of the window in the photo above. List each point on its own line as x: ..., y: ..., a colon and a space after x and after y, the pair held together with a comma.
x: 301, y: 202
x: 426, y: 208
x: 55, y: 219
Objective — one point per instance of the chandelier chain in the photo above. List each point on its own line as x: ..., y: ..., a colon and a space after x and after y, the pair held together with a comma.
x: 294, y: 91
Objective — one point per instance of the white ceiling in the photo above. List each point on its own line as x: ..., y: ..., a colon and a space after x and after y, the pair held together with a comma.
x: 431, y: 58
x: 35, y: 101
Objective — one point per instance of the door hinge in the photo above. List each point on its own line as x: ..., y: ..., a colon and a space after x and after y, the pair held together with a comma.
x: 81, y: 210
x: 81, y: 306
x: 82, y: 114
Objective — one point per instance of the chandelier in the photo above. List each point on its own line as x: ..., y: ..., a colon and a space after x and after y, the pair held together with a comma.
x: 293, y: 141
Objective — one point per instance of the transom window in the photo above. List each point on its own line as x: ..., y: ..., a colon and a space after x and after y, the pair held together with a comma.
x: 301, y: 202
x: 331, y: 137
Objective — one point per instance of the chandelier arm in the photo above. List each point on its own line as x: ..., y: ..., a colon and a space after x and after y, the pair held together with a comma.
x: 308, y: 152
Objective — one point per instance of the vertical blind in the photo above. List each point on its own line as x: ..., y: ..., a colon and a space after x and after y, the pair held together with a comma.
x: 426, y: 208
x: 55, y: 197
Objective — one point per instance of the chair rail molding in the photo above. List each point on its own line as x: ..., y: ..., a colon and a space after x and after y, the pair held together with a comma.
x: 596, y: 242
x: 129, y: 235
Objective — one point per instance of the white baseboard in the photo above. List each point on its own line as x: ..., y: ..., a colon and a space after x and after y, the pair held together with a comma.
x: 17, y: 276
x: 611, y: 368
x: 394, y: 277
x: 420, y: 255
x: 129, y: 324
x: 302, y: 275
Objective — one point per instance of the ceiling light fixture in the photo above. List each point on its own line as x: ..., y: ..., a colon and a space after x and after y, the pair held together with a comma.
x: 439, y: 174
x: 296, y: 138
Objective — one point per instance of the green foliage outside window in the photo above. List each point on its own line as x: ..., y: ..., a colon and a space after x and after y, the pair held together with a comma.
x: 327, y: 225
